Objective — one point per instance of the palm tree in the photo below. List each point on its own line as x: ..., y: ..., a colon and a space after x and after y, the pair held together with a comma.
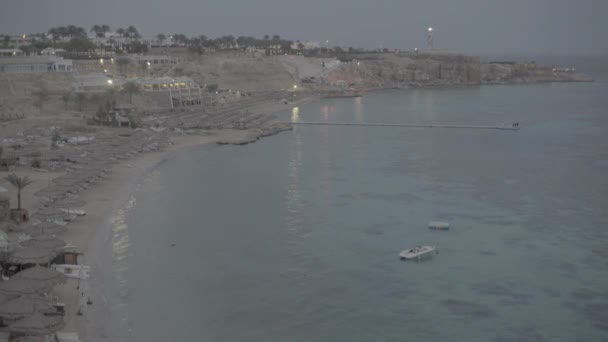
x: 276, y: 37
x: 132, y: 32
x: 266, y: 37
x: 161, y: 38
x: 130, y: 88
x: 80, y: 99
x: 72, y: 30
x: 110, y: 96
x: 96, y: 29
x: 121, y: 31
x: 19, y: 183
x: 104, y: 29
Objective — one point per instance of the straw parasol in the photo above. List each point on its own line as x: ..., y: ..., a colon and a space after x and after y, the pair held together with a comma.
x: 44, y: 242
x: 32, y: 255
x: 45, y: 228
x: 25, y: 306
x: 47, y: 214
x: 37, y: 324
x: 68, y: 202
x: 5, y: 298
x: 45, y: 274
x: 20, y: 287
x: 31, y: 339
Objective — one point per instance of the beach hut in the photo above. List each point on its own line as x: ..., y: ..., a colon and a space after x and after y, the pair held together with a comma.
x: 37, y: 324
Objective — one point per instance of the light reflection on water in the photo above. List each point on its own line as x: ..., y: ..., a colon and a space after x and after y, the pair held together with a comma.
x: 295, y: 114
x: 121, y: 243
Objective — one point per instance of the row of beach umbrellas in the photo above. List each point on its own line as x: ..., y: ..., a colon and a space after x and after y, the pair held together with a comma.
x: 22, y: 298
x: 24, y: 305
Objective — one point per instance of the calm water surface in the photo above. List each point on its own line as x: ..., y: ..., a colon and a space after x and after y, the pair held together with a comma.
x: 295, y: 238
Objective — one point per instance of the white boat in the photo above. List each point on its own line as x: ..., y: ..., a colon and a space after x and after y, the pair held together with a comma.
x: 439, y: 225
x: 418, y: 252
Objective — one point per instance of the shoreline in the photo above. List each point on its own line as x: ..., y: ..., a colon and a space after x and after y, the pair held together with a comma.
x: 95, y: 233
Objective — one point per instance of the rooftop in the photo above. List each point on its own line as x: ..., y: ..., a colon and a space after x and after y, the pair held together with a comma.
x: 26, y: 60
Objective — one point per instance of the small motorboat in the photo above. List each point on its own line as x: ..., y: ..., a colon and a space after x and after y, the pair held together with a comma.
x: 418, y: 252
x: 439, y: 225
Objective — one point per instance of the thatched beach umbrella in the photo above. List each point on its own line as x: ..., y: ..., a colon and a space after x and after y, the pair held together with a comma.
x: 31, y: 339
x: 8, y: 226
x: 20, y: 287
x: 44, y: 274
x: 5, y: 298
x: 48, y: 214
x: 25, y: 306
x: 37, y: 324
x: 45, y: 228
x: 44, y: 242
x: 68, y: 202
x: 32, y: 255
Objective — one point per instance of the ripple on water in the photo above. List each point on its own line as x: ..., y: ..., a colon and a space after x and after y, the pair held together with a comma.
x: 468, y: 308
x: 596, y: 313
x: 502, y: 289
x: 526, y: 334
x: 583, y: 294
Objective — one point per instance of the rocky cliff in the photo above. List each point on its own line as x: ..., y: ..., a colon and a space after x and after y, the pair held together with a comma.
x: 433, y: 69
x: 406, y: 69
x: 511, y: 72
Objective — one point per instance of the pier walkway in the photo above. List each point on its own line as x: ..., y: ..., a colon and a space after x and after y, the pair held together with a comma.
x: 514, y: 127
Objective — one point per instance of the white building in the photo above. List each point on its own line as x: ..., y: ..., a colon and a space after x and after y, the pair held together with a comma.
x: 52, y: 52
x: 11, y: 53
x: 34, y: 65
x: 172, y: 92
x: 92, y: 83
x: 307, y: 45
x: 156, y: 60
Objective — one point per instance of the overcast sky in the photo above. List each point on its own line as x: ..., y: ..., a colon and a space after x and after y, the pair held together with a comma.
x: 473, y: 26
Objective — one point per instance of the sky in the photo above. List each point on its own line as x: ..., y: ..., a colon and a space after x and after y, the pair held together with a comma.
x: 558, y: 27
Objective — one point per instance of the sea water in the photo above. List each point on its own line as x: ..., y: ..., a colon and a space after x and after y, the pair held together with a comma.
x: 296, y: 237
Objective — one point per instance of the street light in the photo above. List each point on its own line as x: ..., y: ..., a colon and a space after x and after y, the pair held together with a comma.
x: 110, y: 82
x: 430, y: 29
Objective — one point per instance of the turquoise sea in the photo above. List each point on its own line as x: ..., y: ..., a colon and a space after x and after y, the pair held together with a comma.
x: 296, y: 237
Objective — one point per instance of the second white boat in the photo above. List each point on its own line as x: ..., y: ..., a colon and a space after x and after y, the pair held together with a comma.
x: 418, y: 252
